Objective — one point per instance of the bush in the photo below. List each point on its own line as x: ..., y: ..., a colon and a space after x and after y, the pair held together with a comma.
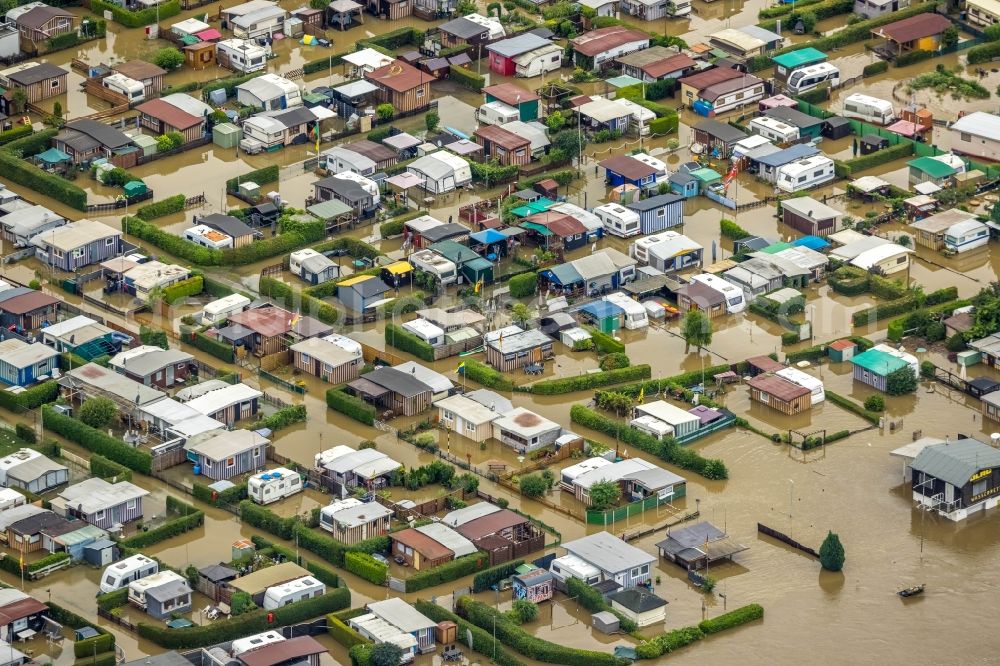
x: 663, y: 126
x: 849, y: 280
x: 14, y: 133
x: 105, y: 468
x: 25, y: 433
x: 115, y: 599
x: 467, y: 78
x: 485, y: 580
x: 732, y: 230
x: 831, y: 553
x: 605, y: 343
x: 733, y: 618
x: 789, y: 338
x: 884, y: 156
x: 155, y: 337
x: 875, y: 403
x: 447, y: 572
x: 615, y: 361
x: 340, y: 401
x: 168, y: 58
x: 27, y: 174
x: 533, y: 485
x: 978, y: 55
x: 887, y: 289
x: 283, y: 418
x: 523, y: 285
x: 265, y: 519
x: 400, y: 338
x: 249, y: 623
x: 97, y: 441
x: 955, y: 343
x: 229, y: 496
x: 486, y: 376
x: 131, y: 19
x: 192, y: 286
x: 367, y: 567
x: 901, y: 381
x: 524, y: 611
x: 589, y: 381
x: 914, y: 56
x: 217, y: 348
x: 875, y: 68
x: 391, y: 228
x: 343, y: 633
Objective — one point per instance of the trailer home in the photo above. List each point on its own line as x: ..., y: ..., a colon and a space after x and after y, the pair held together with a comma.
x: 275, y: 485
x: 773, y: 129
x: 807, y: 78
x: 219, y: 310
x: 618, y: 220
x: 806, y: 173
x: 966, y: 236
x: 635, y: 312
x: 131, y: 89
x: 735, y: 300
x: 431, y: 262
x: 241, y: 55
x: 120, y: 574
x: 869, y: 109
x: 306, y: 587
x: 805, y: 380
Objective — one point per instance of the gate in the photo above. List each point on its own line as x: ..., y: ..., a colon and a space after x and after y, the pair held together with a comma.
x: 718, y: 198
x: 397, y: 584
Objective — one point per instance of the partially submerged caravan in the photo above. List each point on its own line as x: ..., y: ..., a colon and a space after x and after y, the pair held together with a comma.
x: 120, y: 574
x: 306, y: 587
x: 735, y: 300
x: 219, y: 310
x: 635, y: 313
x: 618, y: 220
x: 868, y: 109
x: 805, y: 380
x: 275, y: 485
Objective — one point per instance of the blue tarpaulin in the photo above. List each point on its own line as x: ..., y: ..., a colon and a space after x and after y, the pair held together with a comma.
x: 488, y: 237
x: 811, y: 242
x: 602, y: 309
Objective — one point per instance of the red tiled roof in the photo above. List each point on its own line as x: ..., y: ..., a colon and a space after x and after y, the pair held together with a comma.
x: 710, y: 77
x: 671, y: 64
x: 765, y: 363
x: 915, y: 27
x: 283, y: 651
x: 398, y: 76
x: 268, y: 321
x: 422, y: 543
x: 501, y: 137
x: 508, y: 93
x: 779, y: 387
x: 603, y: 39
x: 841, y: 345
x: 168, y: 114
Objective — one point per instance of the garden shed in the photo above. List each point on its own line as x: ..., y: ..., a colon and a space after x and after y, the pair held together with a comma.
x: 605, y: 622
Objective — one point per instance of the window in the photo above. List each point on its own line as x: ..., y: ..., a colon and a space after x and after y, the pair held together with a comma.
x: 78, y: 253
x: 979, y: 486
x: 556, y: 58
x: 256, y: 453
x: 901, y: 260
x: 131, y: 504
x: 966, y: 136
x: 306, y: 358
x: 635, y: 572
x: 109, y: 242
x: 470, y: 427
x: 661, y: 213
x: 644, y: 569
x: 230, y: 462
x: 420, y: 92
x: 99, y: 515
x: 447, y: 416
x: 55, y: 84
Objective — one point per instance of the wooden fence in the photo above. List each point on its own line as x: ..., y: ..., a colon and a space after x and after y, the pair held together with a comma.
x: 456, y: 348
x: 785, y: 539
x: 372, y: 355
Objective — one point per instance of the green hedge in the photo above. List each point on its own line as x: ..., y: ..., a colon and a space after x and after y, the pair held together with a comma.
x: 777, y: 11
x: 265, y: 519
x: 14, y: 133
x: 911, y: 57
x: 27, y: 174
x: 732, y: 230
x: 115, y: 599
x: 262, y: 176
x: 849, y: 280
x: 83, y: 650
x: 391, y: 228
x: 523, y: 285
x: 447, y: 572
x: 88, y: 647
x: 342, y: 633
x: 168, y: 206
x: 155, y: 337
x: 292, y: 234
x: 519, y: 640
x: 189, y: 518
x: 232, y: 495
x: 366, y: 567
x: 36, y: 396
x: 733, y: 618
x: 892, y: 308
x: 985, y: 53
x: 334, y: 551
x: 323, y: 573
x: 283, y: 418
x: 884, y: 156
x: 604, y: 342
x: 484, y: 580
x: 400, y: 338
x: 12, y: 564
x: 667, y: 450
x: 176, y: 245
x: 220, y: 350
x: 851, y: 406
x: 860, y: 31
x: 138, y: 19
x: 25, y: 432
x: 482, y: 641
x: 340, y: 401
x: 243, y: 625
x: 307, y: 301
x: 879, y: 67
x: 97, y: 441
x: 887, y: 289
x: 589, y: 381
x: 192, y: 286
x: 106, y: 468
x: 923, y: 320
x: 486, y: 376
x: 666, y: 125
x: 467, y: 78
x: 593, y: 601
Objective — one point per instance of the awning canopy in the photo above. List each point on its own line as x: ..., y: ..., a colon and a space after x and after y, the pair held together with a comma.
x: 533, y: 208
x: 406, y: 180
x: 488, y: 237
x: 53, y: 156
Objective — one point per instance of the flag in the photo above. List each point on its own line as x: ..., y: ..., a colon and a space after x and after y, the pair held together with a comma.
x: 642, y: 394
x: 461, y: 368
x: 294, y: 320
x: 479, y: 286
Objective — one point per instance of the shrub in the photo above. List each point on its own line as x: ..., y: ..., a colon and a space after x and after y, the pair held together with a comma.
x: 605, y: 343
x: 168, y: 58
x: 524, y: 611
x: 265, y: 519
x: 467, y: 78
x: 831, y: 553
x: 849, y: 280
x: 400, y: 338
x: 486, y: 376
x: 366, y: 566
x: 192, y: 286
x: 447, y: 572
x: 533, y: 485
x: 105, y: 468
x: 887, y: 289
x: 914, y: 56
x: 589, y: 381
x: 789, y: 338
x: 485, y: 580
x: 340, y: 401
x: 25, y: 433
x: 665, y: 125
x: 523, y: 285
x: 262, y: 176
x: 901, y: 381
x: 229, y: 496
x: 155, y: 337
x: 956, y: 342
x: 343, y: 633
x: 732, y: 230
x: 391, y: 228
x: 884, y: 156
x: 216, y: 348
x: 14, y: 133
x: 984, y: 53
x: 851, y: 406
x: 927, y: 369
x: 875, y: 68
x: 115, y: 599
x: 131, y: 19
x: 171, y: 243
x: 733, y: 618
x: 283, y: 418
x: 97, y: 441
x: 875, y: 403
x: 614, y: 361
x: 188, y: 519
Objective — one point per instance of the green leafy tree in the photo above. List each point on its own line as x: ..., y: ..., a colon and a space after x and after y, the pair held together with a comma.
x: 168, y: 58
x: 57, y: 110
x: 163, y: 143
x: 556, y: 121
x: 385, y: 111
x: 520, y: 313
x: 98, y: 412
x: 831, y: 553
x: 431, y: 120
x: 901, y: 381
x: 524, y: 611
x: 568, y: 141
x: 386, y: 654
x: 466, y: 7
x: 533, y: 486
x: 696, y: 329
x: 604, y: 495
x: 949, y: 38
x: 550, y: 478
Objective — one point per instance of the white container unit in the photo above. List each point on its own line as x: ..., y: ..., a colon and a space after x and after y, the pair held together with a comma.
x: 735, y: 300
x: 640, y: 248
x: 635, y: 312
x: 869, y: 109
x: 426, y: 331
x: 296, y: 258
x: 618, y: 220
x: 120, y: 574
x: 241, y: 645
x: 431, y: 262
x: 137, y: 589
x: 277, y: 484
x: 299, y: 589
x: 571, y: 566
x: 219, y: 310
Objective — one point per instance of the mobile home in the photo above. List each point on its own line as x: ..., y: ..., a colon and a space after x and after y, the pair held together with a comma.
x: 241, y: 55
x: 497, y: 113
x: 618, y: 220
x: 773, y: 129
x: 431, y: 262
x: 306, y: 587
x: 275, y: 485
x: 735, y: 300
x: 426, y: 331
x: 296, y: 258
x: 805, y: 380
x: 806, y: 173
x: 175, y: 596
x: 635, y: 313
x: 131, y: 89
x: 219, y: 310
x: 807, y: 78
x: 966, y: 236
x: 120, y: 574
x: 868, y: 109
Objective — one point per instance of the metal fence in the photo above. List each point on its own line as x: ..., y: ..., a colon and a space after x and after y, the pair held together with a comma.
x: 631, y: 509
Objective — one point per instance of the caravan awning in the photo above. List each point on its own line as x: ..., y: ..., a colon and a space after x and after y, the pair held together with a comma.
x: 543, y: 230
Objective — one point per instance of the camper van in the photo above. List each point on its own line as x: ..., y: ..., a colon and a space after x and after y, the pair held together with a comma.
x: 807, y: 78
x: 804, y: 174
x: 241, y: 645
x: 497, y: 113
x: 571, y: 566
x: 241, y: 55
x: 327, y: 512
x: 805, y: 380
x: 306, y: 587
x: 618, y: 220
x: 735, y: 300
x: 635, y: 313
x: 120, y: 574
x: 868, y: 109
x: 277, y: 484
x: 426, y: 331
x: 640, y: 248
x: 431, y: 262
x: 966, y: 236
x: 137, y: 589
x: 219, y: 310
x: 652, y: 426
x: 773, y: 129
x: 123, y: 85
x: 296, y: 258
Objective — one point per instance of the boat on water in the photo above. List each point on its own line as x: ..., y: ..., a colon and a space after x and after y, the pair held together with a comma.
x: 912, y: 591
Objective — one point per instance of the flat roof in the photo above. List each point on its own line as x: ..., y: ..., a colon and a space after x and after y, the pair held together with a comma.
x: 608, y: 553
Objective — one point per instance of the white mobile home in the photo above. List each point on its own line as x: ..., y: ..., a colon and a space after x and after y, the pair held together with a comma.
x: 264, y: 21
x: 571, y: 566
x: 635, y: 312
x: 807, y: 78
x: 868, y: 109
x: 241, y: 645
x: 133, y: 90
x: 806, y: 173
x: 966, y: 236
x: 684, y: 423
x: 977, y: 134
x: 275, y: 485
x: 120, y: 574
x: 773, y: 129
x: 431, y: 262
x: 735, y: 301
x: 442, y: 171
x: 219, y: 310
x: 618, y: 220
x: 306, y: 587
x: 805, y: 380
x: 547, y: 58
x: 241, y: 55
x: 652, y: 426
x: 208, y: 237
x: 296, y: 258
x: 497, y: 113
x: 426, y: 331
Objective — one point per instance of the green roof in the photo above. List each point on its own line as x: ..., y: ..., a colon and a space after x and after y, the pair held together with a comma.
x: 538, y: 206
x: 800, y: 58
x: 775, y: 248
x: 706, y: 175
x: 543, y: 230
x: 329, y: 209
x: 879, y: 362
x: 622, y: 81
x: 932, y: 167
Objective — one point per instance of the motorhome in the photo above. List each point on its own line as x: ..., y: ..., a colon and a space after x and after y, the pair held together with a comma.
x: 426, y: 331
x: 774, y: 129
x: 206, y: 236
x: 868, y: 109
x: 327, y: 512
x: 241, y: 645
x: 497, y: 113
x: 806, y: 173
x: 571, y: 566
x: 735, y: 300
x: 120, y: 574
x: 219, y: 310
x: 306, y: 587
x: 431, y: 262
x: 966, y: 236
x: 652, y: 426
x: 618, y: 220
x: 296, y: 258
x: 123, y: 85
x: 807, y: 78
x: 274, y: 485
x: 241, y: 55
x: 635, y: 313
x: 137, y: 589
x: 805, y: 380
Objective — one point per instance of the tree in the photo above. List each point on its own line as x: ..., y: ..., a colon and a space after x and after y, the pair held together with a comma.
x: 385, y: 111
x: 520, y: 313
x: 57, y: 110
x: 604, y: 495
x: 696, y: 329
x: 466, y: 7
x: 550, y: 478
x: 367, y: 444
x: 98, y: 412
x: 431, y: 120
x: 241, y: 602
x: 524, y: 611
x: 568, y: 141
x: 163, y: 143
x: 168, y: 58
x: 533, y: 486
x: 901, y: 381
x: 556, y: 121
x: 831, y: 553
x: 875, y: 403
x: 949, y: 38
x: 20, y: 99
x: 386, y: 654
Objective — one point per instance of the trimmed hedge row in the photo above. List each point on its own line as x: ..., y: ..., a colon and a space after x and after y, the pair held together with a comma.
x: 447, y: 572
x: 482, y: 641
x: 138, y: 19
x: 12, y: 564
x: 523, y: 285
x: 879, y: 67
x: 96, y: 441
x: 604, y: 342
x: 342, y: 633
x: 851, y: 406
x: 667, y: 450
x: 189, y: 518
x: 733, y: 231
x: 672, y: 641
x: 849, y: 280
x: 484, y: 580
x: 884, y: 156
x: 68, y: 618
x: 192, y: 286
x: 14, y: 133
x: 36, y: 396
x: 367, y: 567
x: 106, y: 468
x: 911, y: 57
x: 984, y: 53
x: 333, y: 551
x: 486, y: 376
x: 115, y: 599
x: 521, y: 641
x: 168, y: 206
x: 176, y: 245
x: 592, y: 600
x: 27, y: 174
x: 232, y: 495
x: 340, y: 401
x: 220, y: 350
x: 589, y: 381
x: 733, y: 618
x: 262, y: 176
x: 923, y: 320
x: 467, y: 78
x: 306, y: 301
x: 244, y: 625
x: 283, y: 418
x: 902, y: 305
x: 400, y: 338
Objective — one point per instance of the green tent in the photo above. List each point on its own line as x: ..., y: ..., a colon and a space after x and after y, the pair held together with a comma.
x: 53, y: 156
